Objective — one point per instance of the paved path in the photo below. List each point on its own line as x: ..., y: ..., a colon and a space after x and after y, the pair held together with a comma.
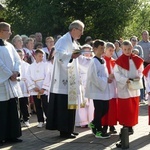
x: 40, y: 139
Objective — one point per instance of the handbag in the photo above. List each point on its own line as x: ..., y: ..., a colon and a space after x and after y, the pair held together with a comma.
x: 135, y: 84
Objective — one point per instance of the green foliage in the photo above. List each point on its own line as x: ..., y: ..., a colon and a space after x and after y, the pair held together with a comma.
x: 140, y: 22
x: 105, y: 19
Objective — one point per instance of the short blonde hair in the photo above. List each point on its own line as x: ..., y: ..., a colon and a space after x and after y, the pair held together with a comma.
x: 110, y: 44
x: 49, y: 37
x: 126, y: 42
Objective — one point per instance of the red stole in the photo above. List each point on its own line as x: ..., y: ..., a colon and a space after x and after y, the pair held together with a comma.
x: 110, y: 63
x: 123, y: 61
x: 146, y: 70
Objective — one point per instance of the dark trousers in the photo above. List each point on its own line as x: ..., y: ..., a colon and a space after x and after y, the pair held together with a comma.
x: 41, y: 106
x: 24, y: 106
x: 101, y: 108
x: 10, y: 124
x: 59, y: 116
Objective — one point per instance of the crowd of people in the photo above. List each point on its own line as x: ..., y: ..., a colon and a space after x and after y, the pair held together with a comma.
x: 96, y: 85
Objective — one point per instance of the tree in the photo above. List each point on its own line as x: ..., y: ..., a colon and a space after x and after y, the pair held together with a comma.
x: 140, y: 21
x: 105, y: 19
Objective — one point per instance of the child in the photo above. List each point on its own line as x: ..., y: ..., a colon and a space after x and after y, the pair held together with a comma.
x: 84, y: 115
x: 97, y: 88
x: 24, y: 101
x: 128, y: 68
x: 135, y: 51
x: 36, y: 74
x: 146, y: 73
x: 110, y: 119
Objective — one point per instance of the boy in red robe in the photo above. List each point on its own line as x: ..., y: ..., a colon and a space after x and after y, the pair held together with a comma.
x: 110, y: 119
x: 128, y: 68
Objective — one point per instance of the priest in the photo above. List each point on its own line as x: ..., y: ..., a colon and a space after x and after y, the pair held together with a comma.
x: 65, y: 86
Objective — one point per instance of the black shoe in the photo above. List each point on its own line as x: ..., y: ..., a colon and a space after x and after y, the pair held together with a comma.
x: 2, y: 143
x: 75, y: 133
x: 92, y: 127
x: 105, y: 129
x: 130, y: 130
x: 14, y: 140
x: 112, y: 130
x: 67, y: 136
x: 118, y: 145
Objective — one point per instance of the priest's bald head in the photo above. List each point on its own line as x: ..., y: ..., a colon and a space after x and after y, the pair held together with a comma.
x: 76, y: 29
x: 5, y: 30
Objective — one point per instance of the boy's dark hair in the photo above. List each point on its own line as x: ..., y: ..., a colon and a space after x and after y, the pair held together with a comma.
x: 39, y: 51
x: 98, y: 42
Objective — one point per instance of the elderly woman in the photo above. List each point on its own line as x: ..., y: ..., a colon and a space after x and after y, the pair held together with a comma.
x: 17, y: 42
x: 134, y: 41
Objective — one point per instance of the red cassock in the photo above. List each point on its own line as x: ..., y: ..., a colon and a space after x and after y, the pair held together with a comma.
x: 111, y: 117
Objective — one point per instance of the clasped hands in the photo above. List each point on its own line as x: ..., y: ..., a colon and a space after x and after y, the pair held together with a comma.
x: 40, y: 91
x: 110, y: 78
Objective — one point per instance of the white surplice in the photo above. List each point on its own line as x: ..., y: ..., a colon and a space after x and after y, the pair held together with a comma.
x: 9, y: 62
x: 35, y: 76
x: 122, y: 75
x: 97, y: 81
x: 23, y: 78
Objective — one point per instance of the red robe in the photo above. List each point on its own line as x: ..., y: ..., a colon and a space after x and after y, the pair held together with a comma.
x: 145, y: 73
x: 110, y: 118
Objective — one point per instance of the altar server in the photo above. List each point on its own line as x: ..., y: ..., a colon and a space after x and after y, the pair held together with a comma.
x: 97, y: 88
x: 110, y: 119
x: 84, y: 115
x: 24, y: 100
x: 128, y: 68
x: 35, y: 78
x: 10, y: 128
